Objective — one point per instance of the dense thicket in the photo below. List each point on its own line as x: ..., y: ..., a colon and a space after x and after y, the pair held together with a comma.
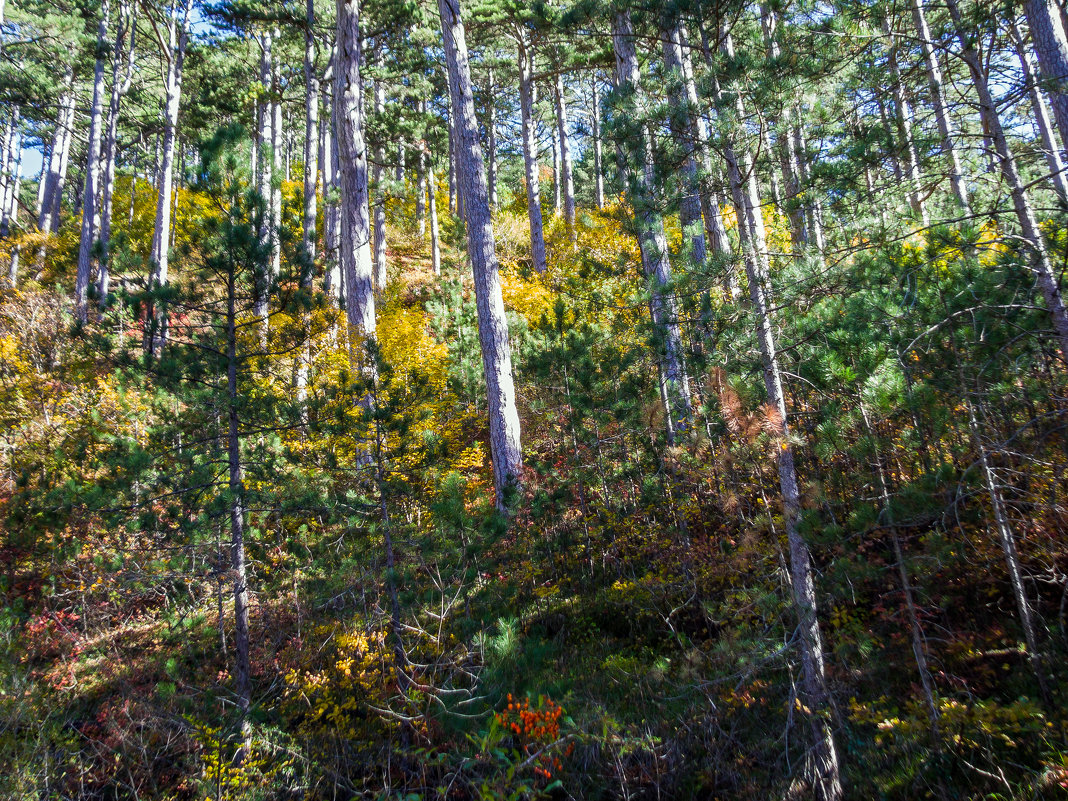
x: 496, y: 400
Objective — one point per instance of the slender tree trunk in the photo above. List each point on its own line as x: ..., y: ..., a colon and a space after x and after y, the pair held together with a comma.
x: 938, y: 100
x: 12, y: 218
x: 178, y: 36
x: 277, y: 174
x: 379, y: 182
x: 453, y: 202
x: 332, y: 213
x: 598, y: 168
x: 264, y: 174
x: 491, y: 141
x: 1012, y: 559
x: 242, y: 673
x: 699, y: 135
x: 1051, y: 45
x: 903, y: 117
x: 12, y: 159
x: 826, y: 778
x: 814, y: 208
x: 919, y: 649
x: 435, y: 238
x: 1050, y: 146
x: 47, y: 217
x: 1048, y: 280
x: 690, y: 216
x: 557, y: 203
x: 311, y: 143
x: 530, y: 156
x: 505, y: 448
x: 641, y: 191
x: 420, y: 182
x: 355, y: 245
x: 566, y: 175
x: 119, y: 87
x: 787, y: 141
x: 92, y: 173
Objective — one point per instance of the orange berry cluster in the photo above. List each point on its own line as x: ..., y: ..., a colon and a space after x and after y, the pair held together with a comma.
x: 541, y: 723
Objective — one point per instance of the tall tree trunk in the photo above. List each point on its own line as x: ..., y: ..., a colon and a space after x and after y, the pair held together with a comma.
x: 567, y: 177
x: 903, y: 118
x: 505, y: 448
x: 332, y: 212
x: 47, y: 216
x: 938, y: 100
x: 787, y: 141
x: 1048, y: 280
x: 530, y: 155
x: 557, y: 202
x: 1050, y: 146
x: 352, y: 162
x: 1012, y: 557
x: 420, y: 183
x: 119, y: 87
x: 12, y: 158
x: 435, y: 237
x: 178, y: 36
x: 92, y: 173
x: 453, y: 203
x: 825, y: 769
x: 311, y: 143
x: 379, y: 181
x: 242, y: 673
x: 690, y: 216
x: 699, y: 135
x: 491, y: 141
x: 277, y: 144
x: 919, y: 649
x: 598, y: 168
x: 641, y: 191
x: 264, y: 173
x: 1051, y: 45
x: 11, y: 217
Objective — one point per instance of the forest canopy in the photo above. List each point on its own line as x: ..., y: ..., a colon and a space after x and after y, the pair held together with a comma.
x: 577, y: 399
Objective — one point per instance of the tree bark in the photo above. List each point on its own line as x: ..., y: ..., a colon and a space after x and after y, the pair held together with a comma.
x: 903, y: 118
x: 1050, y: 147
x: 311, y: 144
x: 1051, y: 45
x: 264, y: 174
x: 1048, y: 280
x: 825, y: 768
x: 420, y: 182
x: 242, y: 673
x: 47, y: 216
x: 379, y: 181
x: 277, y: 173
x: 491, y: 141
x: 598, y: 168
x: 355, y: 244
x: 119, y: 87
x: 938, y: 100
x: 505, y: 448
x: 641, y: 191
x: 92, y: 173
x: 530, y: 155
x: 690, y: 215
x: 435, y: 237
x: 566, y: 177
x: 333, y: 279
x: 178, y: 36
x: 11, y: 160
